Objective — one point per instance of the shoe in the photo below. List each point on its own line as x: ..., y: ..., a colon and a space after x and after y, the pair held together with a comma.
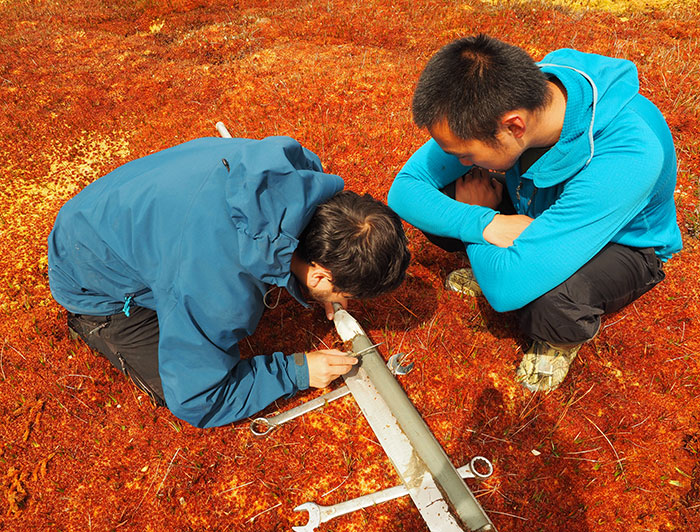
x: 72, y: 334
x: 545, y: 366
x: 463, y: 281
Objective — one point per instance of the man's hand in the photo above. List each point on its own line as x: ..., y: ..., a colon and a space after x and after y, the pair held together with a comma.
x: 478, y: 187
x: 327, y: 365
x: 504, y: 229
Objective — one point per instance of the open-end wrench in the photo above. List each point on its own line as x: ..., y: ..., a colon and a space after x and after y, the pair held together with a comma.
x: 320, y: 514
x: 261, y: 426
x: 396, y: 367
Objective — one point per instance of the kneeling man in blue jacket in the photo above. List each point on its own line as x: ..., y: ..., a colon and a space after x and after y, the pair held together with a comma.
x: 167, y: 263
x: 581, y: 216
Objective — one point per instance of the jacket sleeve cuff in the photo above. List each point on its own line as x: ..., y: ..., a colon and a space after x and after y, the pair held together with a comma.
x: 472, y: 231
x: 301, y: 370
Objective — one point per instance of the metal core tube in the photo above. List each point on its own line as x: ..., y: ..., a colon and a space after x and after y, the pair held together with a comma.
x: 422, y: 439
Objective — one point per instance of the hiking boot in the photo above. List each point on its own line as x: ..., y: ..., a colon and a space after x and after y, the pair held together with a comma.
x: 544, y: 366
x: 463, y: 281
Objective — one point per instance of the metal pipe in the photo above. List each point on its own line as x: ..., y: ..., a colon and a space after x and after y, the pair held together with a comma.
x: 221, y: 128
x: 412, y: 424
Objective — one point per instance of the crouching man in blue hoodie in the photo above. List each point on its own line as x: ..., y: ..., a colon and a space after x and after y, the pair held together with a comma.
x: 588, y: 172
x: 167, y: 263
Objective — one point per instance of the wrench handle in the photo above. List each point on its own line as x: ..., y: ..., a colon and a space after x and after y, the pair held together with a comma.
x: 262, y: 425
x: 371, y: 499
x: 389, y: 494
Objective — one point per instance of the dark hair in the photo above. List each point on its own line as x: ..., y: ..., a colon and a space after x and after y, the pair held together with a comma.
x: 472, y: 82
x: 360, y: 240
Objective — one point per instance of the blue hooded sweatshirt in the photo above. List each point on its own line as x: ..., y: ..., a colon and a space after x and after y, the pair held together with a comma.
x: 197, y: 233
x: 609, y: 178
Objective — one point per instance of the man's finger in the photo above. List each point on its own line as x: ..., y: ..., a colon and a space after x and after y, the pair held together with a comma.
x: 344, y: 360
x: 329, y: 309
x: 344, y: 369
x: 337, y: 371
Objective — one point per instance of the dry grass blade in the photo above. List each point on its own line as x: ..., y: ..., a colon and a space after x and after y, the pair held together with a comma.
x: 170, y: 465
x: 406, y: 308
x: 264, y: 512
x: 571, y: 402
x: 619, y: 460
x: 2, y: 352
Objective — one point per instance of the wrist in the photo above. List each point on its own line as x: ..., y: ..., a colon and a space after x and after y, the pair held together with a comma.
x: 489, y: 232
x: 301, y: 370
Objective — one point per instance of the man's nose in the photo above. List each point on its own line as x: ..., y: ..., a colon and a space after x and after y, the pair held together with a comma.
x: 466, y: 161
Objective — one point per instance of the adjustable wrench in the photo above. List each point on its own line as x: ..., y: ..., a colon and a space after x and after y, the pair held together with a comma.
x: 320, y: 514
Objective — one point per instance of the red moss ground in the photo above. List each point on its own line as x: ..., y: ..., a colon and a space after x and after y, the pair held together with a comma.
x: 86, y: 86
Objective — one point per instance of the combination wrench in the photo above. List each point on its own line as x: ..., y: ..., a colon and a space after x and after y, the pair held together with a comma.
x: 261, y: 426
x: 478, y: 467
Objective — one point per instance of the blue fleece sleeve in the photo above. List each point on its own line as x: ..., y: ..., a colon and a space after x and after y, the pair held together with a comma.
x: 208, y: 386
x: 415, y: 196
x: 593, y: 207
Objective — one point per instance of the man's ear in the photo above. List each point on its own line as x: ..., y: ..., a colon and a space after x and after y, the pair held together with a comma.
x: 514, y: 122
x: 317, y: 274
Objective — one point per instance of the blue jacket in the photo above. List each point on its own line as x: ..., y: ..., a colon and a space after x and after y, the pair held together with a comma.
x: 609, y: 178
x: 199, y: 241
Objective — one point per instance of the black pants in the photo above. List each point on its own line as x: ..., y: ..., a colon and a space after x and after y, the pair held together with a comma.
x: 129, y: 343
x: 570, y: 313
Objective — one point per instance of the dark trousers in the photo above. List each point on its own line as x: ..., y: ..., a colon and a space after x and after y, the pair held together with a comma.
x: 570, y: 313
x: 129, y: 343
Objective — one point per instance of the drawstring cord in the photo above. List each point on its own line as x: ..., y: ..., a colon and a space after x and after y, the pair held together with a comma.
x: 127, y: 304
x: 129, y: 297
x: 279, y: 293
x: 591, y: 141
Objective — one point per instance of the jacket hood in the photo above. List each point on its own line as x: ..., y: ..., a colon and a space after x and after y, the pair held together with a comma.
x: 597, y: 88
x: 273, y: 189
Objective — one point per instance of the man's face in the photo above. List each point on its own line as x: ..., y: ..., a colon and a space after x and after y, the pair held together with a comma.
x: 323, y: 293
x: 500, y: 157
x: 317, y: 284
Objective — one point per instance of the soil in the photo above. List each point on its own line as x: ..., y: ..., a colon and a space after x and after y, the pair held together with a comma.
x: 86, y: 86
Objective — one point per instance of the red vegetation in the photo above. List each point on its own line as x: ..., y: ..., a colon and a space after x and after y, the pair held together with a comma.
x: 87, y: 86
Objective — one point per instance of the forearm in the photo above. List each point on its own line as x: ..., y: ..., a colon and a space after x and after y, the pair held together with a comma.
x: 249, y: 387
x: 508, y: 281
x: 415, y: 196
x: 431, y: 211
x: 552, y: 247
